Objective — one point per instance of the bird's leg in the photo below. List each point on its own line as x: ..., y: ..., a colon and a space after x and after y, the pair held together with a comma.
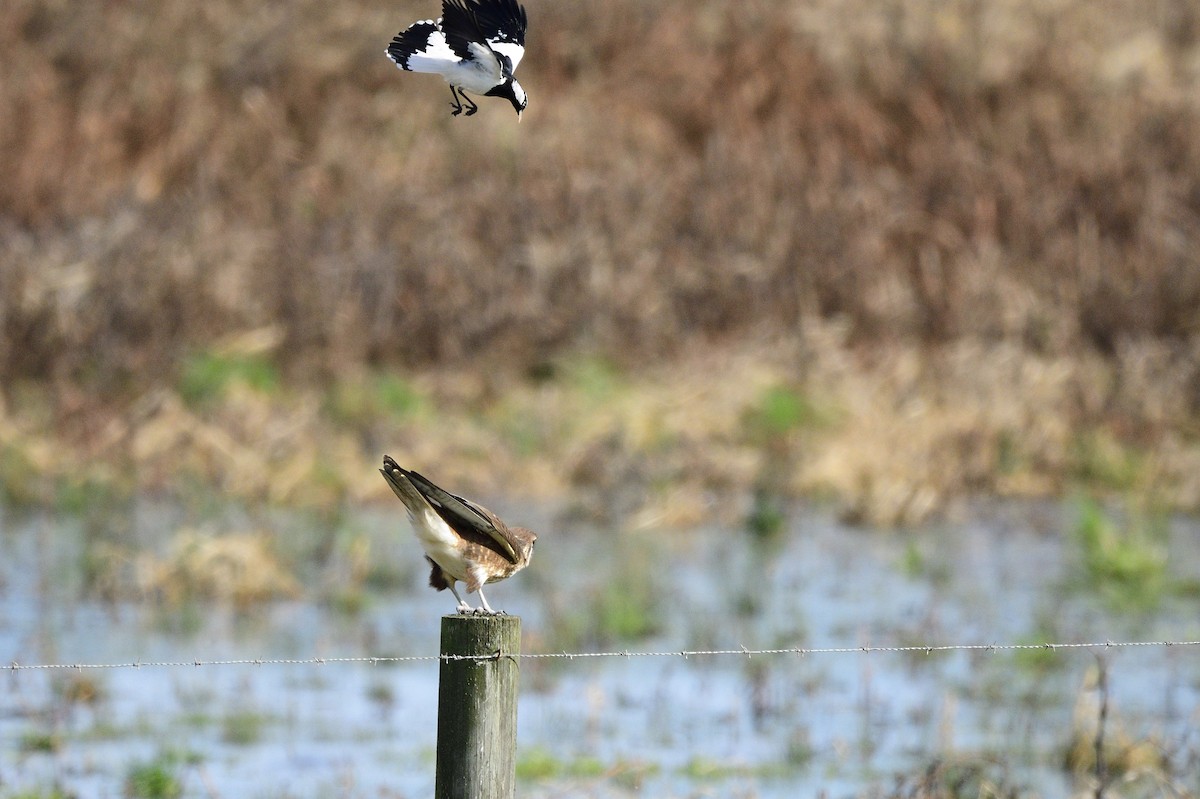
x: 458, y: 108
x: 476, y: 577
x: 471, y: 106
x: 463, y: 607
x: 487, y: 608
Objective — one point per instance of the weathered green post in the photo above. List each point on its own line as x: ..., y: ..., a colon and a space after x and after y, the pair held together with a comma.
x: 477, y: 708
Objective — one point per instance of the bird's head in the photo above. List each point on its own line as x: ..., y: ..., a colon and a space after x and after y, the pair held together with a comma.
x: 525, y: 539
x: 512, y: 91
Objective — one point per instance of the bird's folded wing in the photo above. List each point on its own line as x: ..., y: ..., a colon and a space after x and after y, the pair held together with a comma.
x: 463, y: 515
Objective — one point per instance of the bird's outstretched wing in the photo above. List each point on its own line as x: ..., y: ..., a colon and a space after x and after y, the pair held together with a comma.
x: 461, y: 30
x: 463, y: 515
x: 503, y: 24
x: 421, y: 48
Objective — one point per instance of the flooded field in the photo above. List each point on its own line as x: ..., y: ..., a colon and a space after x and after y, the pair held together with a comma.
x: 970, y: 723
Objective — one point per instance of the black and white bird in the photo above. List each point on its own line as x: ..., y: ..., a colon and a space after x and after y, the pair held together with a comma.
x: 475, y: 45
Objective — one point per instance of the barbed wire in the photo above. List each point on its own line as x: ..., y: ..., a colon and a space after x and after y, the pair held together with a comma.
x: 927, y: 649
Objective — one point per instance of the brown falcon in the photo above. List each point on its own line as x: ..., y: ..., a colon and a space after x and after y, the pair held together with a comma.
x: 463, y: 541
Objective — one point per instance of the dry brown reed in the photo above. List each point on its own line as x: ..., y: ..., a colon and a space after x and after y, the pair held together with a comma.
x: 238, y: 568
x: 687, y: 169
x: 1009, y: 185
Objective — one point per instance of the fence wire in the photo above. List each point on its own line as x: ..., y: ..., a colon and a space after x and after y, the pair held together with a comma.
x: 683, y: 653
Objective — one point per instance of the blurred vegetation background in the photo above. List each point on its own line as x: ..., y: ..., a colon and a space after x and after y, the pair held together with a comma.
x: 892, y: 252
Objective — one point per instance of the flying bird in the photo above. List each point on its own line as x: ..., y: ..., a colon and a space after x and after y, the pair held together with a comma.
x: 463, y: 541
x: 475, y: 45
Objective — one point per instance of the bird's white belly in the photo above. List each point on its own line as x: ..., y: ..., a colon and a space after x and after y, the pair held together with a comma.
x: 442, y: 544
x: 471, y: 76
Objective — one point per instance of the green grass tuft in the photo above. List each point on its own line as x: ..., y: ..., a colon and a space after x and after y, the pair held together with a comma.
x: 780, y: 411
x: 540, y: 763
x: 20, y: 483
x: 620, y: 607
x: 207, y: 375
x: 35, y: 793
x: 1041, y: 660
x: 154, y: 780
x: 702, y: 769
x: 1127, y: 561
x: 362, y: 401
x: 45, y: 742
x: 767, y: 518
x: 349, y: 601
x: 626, y: 612
x: 595, y: 378
x: 97, y: 493
x: 1100, y: 461
x: 243, y: 727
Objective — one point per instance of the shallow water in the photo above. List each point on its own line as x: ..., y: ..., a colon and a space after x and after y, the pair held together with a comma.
x: 763, y: 726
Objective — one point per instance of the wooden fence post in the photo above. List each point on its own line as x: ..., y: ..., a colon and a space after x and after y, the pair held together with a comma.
x: 477, y: 709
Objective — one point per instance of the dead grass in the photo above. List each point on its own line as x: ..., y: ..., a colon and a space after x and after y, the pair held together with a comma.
x: 973, y: 229
x: 239, y: 568
x: 890, y: 436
